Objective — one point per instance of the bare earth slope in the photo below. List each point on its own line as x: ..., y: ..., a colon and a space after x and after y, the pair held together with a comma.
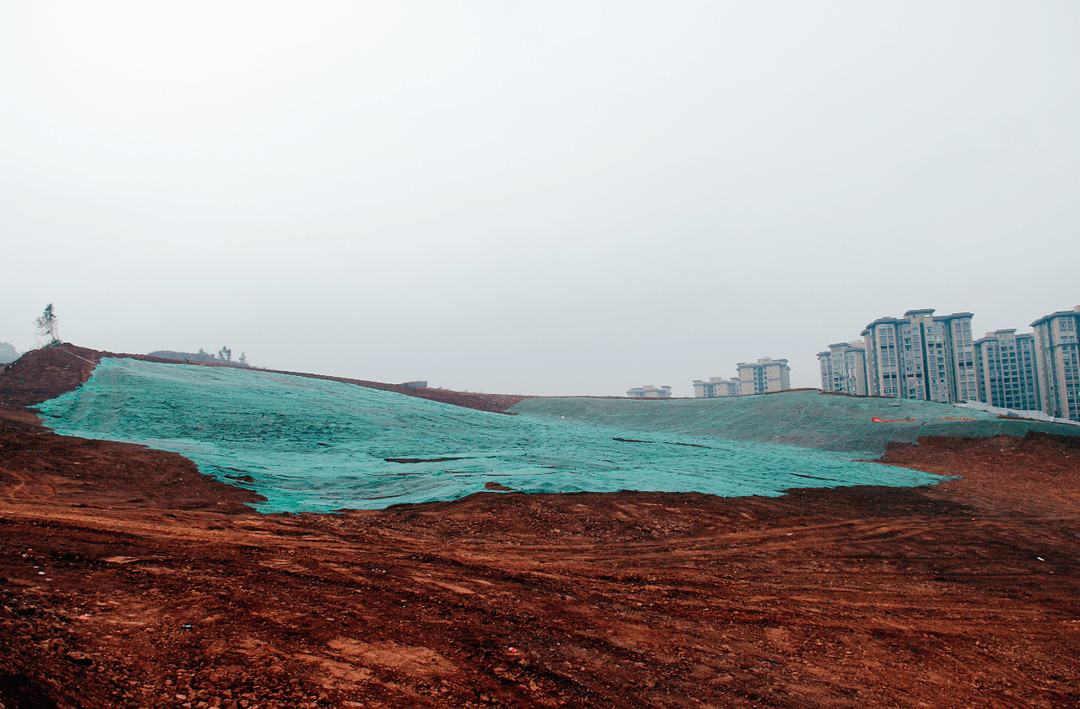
x: 128, y: 579
x: 44, y: 374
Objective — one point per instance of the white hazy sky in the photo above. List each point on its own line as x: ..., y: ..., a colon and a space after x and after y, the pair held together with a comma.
x: 533, y: 197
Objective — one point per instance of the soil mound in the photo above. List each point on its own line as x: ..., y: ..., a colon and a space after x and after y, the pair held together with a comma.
x: 45, y: 374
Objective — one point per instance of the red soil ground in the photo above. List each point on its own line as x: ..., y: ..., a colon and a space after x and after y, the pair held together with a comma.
x: 128, y: 579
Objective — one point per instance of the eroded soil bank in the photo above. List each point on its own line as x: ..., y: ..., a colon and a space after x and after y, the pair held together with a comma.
x: 128, y: 579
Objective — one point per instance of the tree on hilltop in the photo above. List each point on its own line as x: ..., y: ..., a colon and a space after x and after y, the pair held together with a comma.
x: 47, y: 325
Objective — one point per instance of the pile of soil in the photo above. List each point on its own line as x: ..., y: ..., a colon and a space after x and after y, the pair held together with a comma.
x: 128, y: 579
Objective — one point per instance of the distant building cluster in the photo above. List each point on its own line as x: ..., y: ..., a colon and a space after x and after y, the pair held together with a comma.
x: 762, y: 377
x: 934, y: 358
x: 650, y: 392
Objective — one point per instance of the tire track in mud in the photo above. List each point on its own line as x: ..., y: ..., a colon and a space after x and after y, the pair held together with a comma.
x: 367, y: 607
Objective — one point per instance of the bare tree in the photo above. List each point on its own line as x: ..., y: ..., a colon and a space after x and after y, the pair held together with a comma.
x: 47, y: 325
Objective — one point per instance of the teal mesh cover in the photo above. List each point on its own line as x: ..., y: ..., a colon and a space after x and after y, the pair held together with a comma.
x: 310, y: 444
x: 808, y: 419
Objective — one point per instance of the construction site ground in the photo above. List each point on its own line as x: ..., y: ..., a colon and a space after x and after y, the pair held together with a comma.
x: 129, y: 579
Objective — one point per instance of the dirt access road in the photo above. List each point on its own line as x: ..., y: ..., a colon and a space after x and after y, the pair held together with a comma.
x: 128, y: 579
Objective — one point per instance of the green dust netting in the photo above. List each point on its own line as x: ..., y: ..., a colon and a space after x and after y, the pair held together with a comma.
x: 797, y: 418
x: 309, y: 444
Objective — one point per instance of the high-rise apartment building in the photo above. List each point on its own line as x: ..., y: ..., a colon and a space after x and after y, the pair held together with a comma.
x: 843, y: 368
x: 1006, y: 369
x: 1057, y: 355
x: 764, y: 376
x: 921, y: 356
x: 716, y: 386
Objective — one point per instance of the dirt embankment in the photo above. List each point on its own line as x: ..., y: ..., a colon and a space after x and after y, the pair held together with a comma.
x: 44, y: 374
x: 124, y: 583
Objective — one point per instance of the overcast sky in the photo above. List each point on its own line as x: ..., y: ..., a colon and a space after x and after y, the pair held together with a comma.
x: 533, y: 197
